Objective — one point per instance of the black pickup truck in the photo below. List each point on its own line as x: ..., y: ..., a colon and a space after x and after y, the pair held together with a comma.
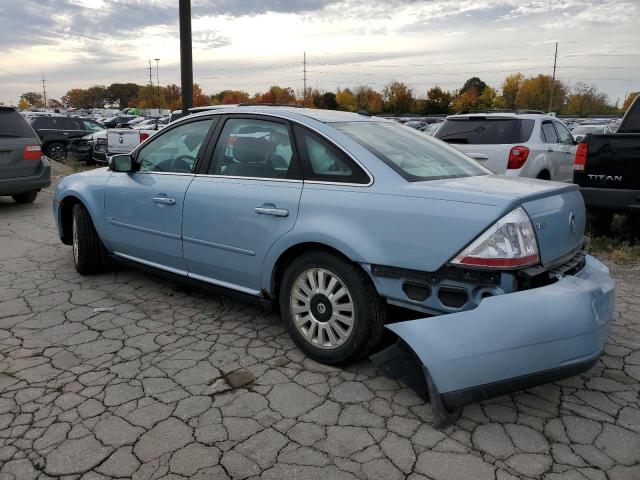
x: 607, y: 169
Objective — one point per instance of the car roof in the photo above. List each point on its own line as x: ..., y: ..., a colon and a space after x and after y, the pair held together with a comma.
x: 530, y: 116
x: 294, y: 113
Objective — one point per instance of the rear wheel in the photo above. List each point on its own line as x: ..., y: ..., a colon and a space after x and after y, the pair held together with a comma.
x: 56, y: 151
x: 89, y: 255
x: 25, y: 197
x: 330, y: 308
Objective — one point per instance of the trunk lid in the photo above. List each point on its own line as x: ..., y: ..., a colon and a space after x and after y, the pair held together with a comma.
x: 556, y: 209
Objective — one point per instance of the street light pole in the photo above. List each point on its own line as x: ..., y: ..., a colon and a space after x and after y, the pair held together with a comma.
x: 158, y: 82
x: 186, y: 56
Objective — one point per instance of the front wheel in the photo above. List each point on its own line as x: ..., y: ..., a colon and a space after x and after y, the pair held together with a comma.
x: 330, y: 308
x: 89, y: 255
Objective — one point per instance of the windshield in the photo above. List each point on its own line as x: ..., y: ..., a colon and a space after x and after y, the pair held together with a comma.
x: 412, y: 154
x: 588, y: 129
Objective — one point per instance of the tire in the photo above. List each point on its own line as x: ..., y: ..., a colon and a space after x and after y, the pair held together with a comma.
x: 56, y: 151
x: 28, y: 197
x: 89, y: 255
x: 599, y: 223
x: 368, y: 311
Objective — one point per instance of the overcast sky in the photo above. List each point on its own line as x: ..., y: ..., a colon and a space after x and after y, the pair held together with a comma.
x: 252, y: 44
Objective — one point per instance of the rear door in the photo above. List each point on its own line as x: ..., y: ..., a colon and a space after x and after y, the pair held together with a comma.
x: 246, y: 200
x: 15, y: 135
x: 568, y: 147
x: 554, y: 153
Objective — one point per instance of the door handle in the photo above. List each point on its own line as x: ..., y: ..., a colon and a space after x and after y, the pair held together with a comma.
x: 164, y: 200
x: 478, y: 156
x: 271, y: 210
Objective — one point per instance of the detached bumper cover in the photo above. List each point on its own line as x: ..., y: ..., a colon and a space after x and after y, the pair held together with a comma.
x: 509, y: 341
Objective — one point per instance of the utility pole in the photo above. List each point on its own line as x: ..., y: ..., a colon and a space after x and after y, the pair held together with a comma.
x: 44, y: 91
x: 553, y: 81
x: 158, y: 82
x: 150, y: 79
x: 186, y: 56
x: 304, y: 73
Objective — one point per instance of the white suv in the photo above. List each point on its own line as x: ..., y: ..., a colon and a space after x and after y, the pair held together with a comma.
x: 520, y: 144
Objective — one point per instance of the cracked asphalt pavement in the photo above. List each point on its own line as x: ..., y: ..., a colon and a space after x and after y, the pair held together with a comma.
x: 128, y: 375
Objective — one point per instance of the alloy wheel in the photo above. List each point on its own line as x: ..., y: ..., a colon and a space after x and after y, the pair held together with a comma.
x: 322, y: 308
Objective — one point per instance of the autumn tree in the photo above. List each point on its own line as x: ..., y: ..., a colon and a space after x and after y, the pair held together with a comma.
x: 53, y: 103
x: 475, y: 85
x: 199, y: 98
x: 398, y: 97
x: 23, y: 104
x: 33, y: 99
x: 122, y: 94
x: 535, y: 93
x: 276, y: 94
x: 510, y: 88
x: 326, y: 100
x: 629, y: 100
x: 173, y: 97
x: 227, y: 97
x: 438, y: 101
x: 346, y: 100
x: 368, y: 99
x: 465, y: 101
x: 586, y: 100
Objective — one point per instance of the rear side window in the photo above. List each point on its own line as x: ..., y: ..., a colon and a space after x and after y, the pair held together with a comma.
x: 322, y: 161
x: 549, y: 133
x: 485, y: 130
x: 12, y: 124
x: 631, y: 121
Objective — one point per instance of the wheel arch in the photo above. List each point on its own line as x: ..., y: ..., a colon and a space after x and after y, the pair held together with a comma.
x: 544, y: 174
x: 276, y: 272
x: 66, y: 217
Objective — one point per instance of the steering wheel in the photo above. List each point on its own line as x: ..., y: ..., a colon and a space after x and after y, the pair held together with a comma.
x: 182, y: 163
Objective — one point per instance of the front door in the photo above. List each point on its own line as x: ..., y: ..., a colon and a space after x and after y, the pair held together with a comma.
x: 144, y: 208
x: 247, y: 199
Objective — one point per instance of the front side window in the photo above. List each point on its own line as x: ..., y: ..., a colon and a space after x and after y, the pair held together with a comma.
x: 253, y: 148
x: 412, y: 154
x: 322, y: 161
x: 176, y: 150
x: 549, y: 133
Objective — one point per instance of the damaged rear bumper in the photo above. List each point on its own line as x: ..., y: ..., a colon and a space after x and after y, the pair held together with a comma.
x: 508, y: 342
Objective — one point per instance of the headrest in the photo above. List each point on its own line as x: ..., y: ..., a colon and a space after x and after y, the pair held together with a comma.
x: 251, y: 150
x: 193, y: 140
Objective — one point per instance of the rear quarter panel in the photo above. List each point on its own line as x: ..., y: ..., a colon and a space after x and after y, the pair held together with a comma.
x: 372, y: 227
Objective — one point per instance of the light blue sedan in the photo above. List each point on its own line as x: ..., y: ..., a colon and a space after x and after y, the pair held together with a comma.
x: 333, y: 217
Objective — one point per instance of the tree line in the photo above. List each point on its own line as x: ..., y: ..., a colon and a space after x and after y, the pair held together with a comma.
x: 539, y: 92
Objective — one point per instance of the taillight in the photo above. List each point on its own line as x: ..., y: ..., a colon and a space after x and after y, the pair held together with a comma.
x: 508, y: 243
x: 143, y: 136
x: 31, y: 152
x: 517, y: 157
x: 580, y: 162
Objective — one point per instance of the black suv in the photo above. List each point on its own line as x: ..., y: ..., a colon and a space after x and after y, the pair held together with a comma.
x: 55, y: 133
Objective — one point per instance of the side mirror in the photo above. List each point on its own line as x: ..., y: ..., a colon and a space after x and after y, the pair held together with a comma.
x: 121, y: 163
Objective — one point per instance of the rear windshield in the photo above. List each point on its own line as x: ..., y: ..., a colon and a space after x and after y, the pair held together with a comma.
x: 485, y: 130
x: 12, y: 124
x: 411, y: 153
